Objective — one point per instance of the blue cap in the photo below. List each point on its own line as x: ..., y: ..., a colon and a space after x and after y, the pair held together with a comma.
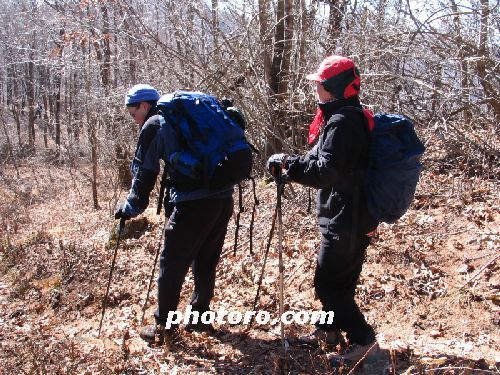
x: 141, y: 93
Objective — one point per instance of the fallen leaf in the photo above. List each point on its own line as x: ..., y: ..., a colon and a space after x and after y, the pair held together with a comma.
x: 436, y: 333
x: 434, y: 361
x: 465, y: 268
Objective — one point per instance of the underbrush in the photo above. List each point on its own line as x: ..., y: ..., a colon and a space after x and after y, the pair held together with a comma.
x: 55, y: 275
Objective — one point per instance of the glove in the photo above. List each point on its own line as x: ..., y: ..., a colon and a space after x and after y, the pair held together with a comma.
x: 120, y: 214
x: 276, y: 163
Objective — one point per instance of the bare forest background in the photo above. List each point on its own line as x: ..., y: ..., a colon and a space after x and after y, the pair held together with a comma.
x: 66, y: 65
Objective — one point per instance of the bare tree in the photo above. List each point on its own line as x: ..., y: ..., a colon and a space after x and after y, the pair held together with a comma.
x: 487, y: 69
x: 437, y: 63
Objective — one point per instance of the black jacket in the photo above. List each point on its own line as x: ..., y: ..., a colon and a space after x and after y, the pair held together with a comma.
x: 331, y: 166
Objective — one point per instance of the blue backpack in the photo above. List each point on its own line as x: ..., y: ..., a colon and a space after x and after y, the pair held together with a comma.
x: 215, y: 152
x: 390, y: 181
x: 394, y: 167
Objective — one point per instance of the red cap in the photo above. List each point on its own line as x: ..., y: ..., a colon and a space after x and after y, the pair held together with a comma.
x: 338, y: 75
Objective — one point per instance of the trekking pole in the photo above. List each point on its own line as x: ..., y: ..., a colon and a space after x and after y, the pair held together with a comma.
x: 254, y: 209
x: 309, y: 200
x: 268, y: 246
x: 105, y: 301
x: 164, y: 187
x: 153, y: 271
x: 280, y: 186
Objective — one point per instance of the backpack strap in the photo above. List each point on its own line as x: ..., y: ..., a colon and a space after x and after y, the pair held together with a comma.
x: 241, y: 209
x: 254, y: 209
x: 164, y: 196
x: 254, y: 149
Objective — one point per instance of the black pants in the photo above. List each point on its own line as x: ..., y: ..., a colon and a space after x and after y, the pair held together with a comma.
x: 194, y: 237
x: 337, y: 273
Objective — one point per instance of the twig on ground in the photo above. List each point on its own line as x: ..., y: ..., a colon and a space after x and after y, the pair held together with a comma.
x: 479, y: 271
x: 361, y: 359
x: 476, y: 371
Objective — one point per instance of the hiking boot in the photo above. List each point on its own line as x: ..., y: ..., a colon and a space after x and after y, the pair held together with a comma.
x: 155, y: 332
x: 319, y: 336
x: 355, y: 354
x: 200, y: 327
x: 152, y: 332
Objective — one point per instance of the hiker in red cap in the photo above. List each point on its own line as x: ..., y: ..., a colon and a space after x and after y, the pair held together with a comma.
x: 333, y: 166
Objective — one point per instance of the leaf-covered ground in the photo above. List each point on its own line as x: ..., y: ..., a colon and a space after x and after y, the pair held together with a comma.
x: 56, y: 251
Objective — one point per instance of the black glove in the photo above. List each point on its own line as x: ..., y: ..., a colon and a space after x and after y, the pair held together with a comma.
x: 276, y: 163
x: 120, y: 214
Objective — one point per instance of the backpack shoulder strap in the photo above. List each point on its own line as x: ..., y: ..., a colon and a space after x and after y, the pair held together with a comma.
x: 352, y: 108
x: 174, y: 125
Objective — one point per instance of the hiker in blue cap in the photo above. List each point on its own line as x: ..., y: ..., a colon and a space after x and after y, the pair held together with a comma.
x: 341, y: 137
x: 195, y: 232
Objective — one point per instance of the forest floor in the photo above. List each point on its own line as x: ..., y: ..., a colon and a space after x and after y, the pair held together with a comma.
x: 56, y: 252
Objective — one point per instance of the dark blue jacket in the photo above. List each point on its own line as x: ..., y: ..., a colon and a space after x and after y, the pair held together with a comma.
x: 157, y: 140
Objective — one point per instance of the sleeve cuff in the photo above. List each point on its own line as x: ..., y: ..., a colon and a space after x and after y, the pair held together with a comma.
x: 289, y: 165
x: 131, y: 210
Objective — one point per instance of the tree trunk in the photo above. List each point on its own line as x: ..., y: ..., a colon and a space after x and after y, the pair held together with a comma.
x: 30, y: 94
x: 106, y: 64
x: 15, y: 114
x: 277, y: 68
x: 13, y: 98
x: 11, y: 85
x: 93, y: 147
x: 9, y: 146
x: 75, y: 107
x: 306, y: 19
x: 215, y: 27
x: 91, y: 122
x: 490, y: 92
x: 57, y: 112
x: 336, y: 16
x: 46, y: 119
x: 288, y: 24
x: 123, y: 163
x: 57, y: 94
x: 266, y: 41
x: 277, y: 72
x: 462, y: 55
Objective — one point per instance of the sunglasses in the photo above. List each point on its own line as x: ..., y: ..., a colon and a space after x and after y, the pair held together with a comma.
x: 132, y: 111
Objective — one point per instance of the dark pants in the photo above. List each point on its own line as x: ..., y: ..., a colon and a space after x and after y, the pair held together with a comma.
x: 337, y: 273
x: 194, y: 237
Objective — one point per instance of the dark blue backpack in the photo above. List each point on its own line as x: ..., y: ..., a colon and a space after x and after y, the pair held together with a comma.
x: 216, y: 153
x: 394, y: 167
